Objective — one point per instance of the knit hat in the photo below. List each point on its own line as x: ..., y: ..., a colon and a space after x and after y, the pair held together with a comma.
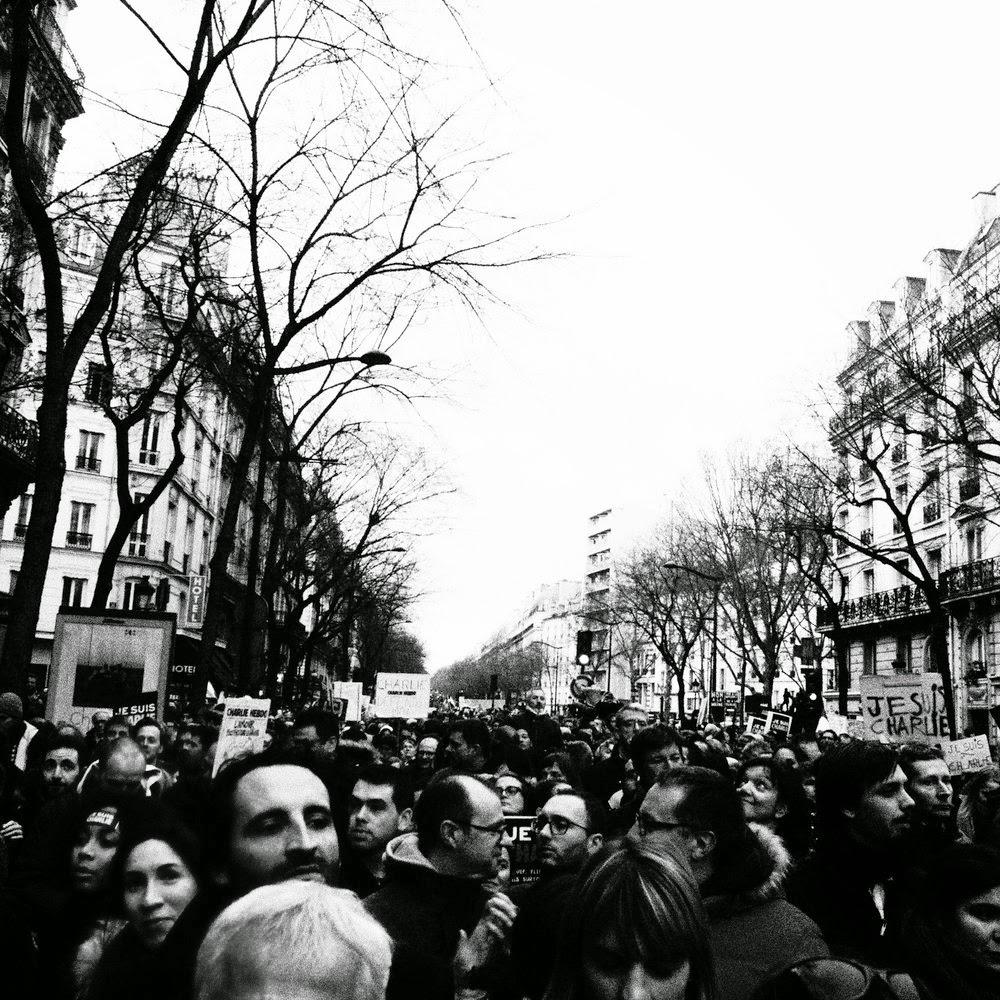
x: 11, y: 705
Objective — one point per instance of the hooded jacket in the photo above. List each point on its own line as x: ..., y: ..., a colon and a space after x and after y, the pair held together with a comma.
x: 423, y: 911
x: 755, y: 932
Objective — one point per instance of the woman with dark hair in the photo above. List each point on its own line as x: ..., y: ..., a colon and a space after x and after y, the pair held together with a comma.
x: 158, y: 872
x: 559, y: 766
x: 635, y: 926
x: 773, y: 796
x: 949, y: 928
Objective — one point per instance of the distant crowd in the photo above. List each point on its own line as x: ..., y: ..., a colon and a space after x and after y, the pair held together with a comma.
x: 375, y: 860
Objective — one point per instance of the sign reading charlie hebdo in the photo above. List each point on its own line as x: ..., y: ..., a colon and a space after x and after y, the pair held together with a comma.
x: 243, y: 730
x: 904, y: 708
x: 402, y: 696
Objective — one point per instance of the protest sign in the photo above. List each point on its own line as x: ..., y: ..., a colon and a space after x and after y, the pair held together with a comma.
x: 969, y: 754
x: 143, y: 707
x: 244, y: 727
x: 477, y: 704
x: 756, y: 726
x: 778, y: 722
x: 836, y: 724
x: 350, y: 691
x: 338, y: 707
x: 904, y: 708
x: 402, y: 696
x: 524, y: 867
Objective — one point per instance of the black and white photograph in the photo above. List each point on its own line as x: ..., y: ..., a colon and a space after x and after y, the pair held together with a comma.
x: 499, y: 501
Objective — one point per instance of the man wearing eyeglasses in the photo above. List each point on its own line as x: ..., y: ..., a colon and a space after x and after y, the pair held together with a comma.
x: 741, y: 868
x: 433, y: 902
x: 568, y: 830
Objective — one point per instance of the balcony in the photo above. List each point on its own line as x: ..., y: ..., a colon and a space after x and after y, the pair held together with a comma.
x: 88, y: 463
x: 18, y: 436
x: 980, y: 577
x: 968, y: 488
x: 79, y: 539
x: 900, y: 602
x: 932, y: 511
x: 21, y: 529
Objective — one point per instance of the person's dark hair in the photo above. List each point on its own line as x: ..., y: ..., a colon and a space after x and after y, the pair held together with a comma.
x: 399, y: 780
x: 445, y: 797
x: 926, y: 938
x: 69, y: 741
x: 565, y: 764
x: 118, y: 720
x: 151, y: 820
x: 700, y: 754
x: 203, y: 734
x: 597, y: 814
x: 147, y: 720
x: 475, y: 732
x: 794, y: 827
x: 386, y: 744
x: 843, y: 774
x: 535, y: 796
x: 224, y: 788
x: 327, y: 724
x: 650, y: 740
x: 914, y: 753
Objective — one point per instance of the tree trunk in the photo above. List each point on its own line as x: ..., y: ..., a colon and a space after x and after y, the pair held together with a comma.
x: 112, y: 553
x: 248, y: 625
x: 27, y: 598
x: 939, y: 644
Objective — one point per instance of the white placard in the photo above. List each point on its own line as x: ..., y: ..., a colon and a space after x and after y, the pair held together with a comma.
x: 970, y: 754
x: 904, y: 708
x: 243, y: 730
x: 402, y: 696
x: 350, y: 691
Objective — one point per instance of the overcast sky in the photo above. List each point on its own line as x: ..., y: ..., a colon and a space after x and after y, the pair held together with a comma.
x: 731, y: 184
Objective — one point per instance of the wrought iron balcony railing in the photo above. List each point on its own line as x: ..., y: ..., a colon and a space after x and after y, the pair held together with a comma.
x: 900, y: 602
x: 21, y: 529
x: 79, y: 539
x: 979, y: 577
x: 88, y: 463
x: 18, y: 435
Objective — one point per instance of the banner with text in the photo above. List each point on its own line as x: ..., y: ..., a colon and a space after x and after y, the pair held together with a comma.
x: 970, y: 754
x: 524, y: 867
x: 778, y: 722
x: 350, y: 691
x: 402, y: 696
x: 196, y: 600
x: 243, y: 730
x: 143, y: 707
x: 904, y: 708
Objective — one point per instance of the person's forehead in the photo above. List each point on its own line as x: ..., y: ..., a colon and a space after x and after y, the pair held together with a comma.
x: 306, y: 729
x: 928, y: 768
x: 280, y: 786
x: 895, y: 777
x: 428, y: 743
x: 485, y: 802
x: 62, y: 753
x: 367, y: 792
x: 148, y: 730
x: 569, y: 807
x: 758, y: 773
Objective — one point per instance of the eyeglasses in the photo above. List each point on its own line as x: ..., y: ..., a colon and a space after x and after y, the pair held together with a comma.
x: 558, y: 824
x: 506, y: 791
x: 496, y: 830
x: 648, y: 825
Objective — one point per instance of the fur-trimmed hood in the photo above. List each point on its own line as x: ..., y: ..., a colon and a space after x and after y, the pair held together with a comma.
x: 758, y: 878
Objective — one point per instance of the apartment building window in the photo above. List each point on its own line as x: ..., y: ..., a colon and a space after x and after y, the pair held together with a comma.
x: 188, y: 544
x: 867, y: 523
x: 98, y: 388
x: 196, y: 459
x: 903, y: 663
x: 72, y: 591
x: 932, y: 496
x: 140, y: 532
x: 130, y: 595
x: 868, y: 658
x: 149, y: 444
x: 79, y: 535
x: 934, y: 562
x: 171, y: 290
x: 88, y: 455
x: 902, y: 568
x: 80, y: 243
x: 973, y: 544
x: 868, y: 582
x: 13, y: 581
x: 205, y: 550
x: 23, y: 515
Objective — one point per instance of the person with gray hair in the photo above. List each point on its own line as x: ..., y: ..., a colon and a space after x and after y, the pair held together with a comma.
x: 294, y: 939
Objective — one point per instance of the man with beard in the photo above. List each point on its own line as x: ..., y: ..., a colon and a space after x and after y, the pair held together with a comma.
x: 863, y: 815
x: 569, y: 829
x: 542, y: 729
x: 381, y: 808
x: 928, y: 783
x: 468, y: 746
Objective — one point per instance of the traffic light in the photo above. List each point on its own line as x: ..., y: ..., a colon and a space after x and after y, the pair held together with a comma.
x: 584, y: 647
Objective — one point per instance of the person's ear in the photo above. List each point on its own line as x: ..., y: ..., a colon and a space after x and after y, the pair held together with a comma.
x: 595, y: 842
x: 781, y: 811
x: 405, y: 822
x: 449, y: 832
x: 703, y: 843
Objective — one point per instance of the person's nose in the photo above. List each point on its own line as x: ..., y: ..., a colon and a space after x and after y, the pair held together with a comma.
x: 633, y: 984
x: 905, y: 801
x: 300, y: 837
x: 152, y: 898
x: 87, y: 850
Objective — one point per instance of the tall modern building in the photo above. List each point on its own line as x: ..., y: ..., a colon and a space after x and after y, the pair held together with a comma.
x: 882, y: 622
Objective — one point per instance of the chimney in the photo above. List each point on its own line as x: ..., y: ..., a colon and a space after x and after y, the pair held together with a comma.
x: 940, y: 269
x: 860, y: 330
x: 880, y: 316
x: 909, y: 292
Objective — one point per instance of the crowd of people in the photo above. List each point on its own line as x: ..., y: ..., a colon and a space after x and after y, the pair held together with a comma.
x: 374, y: 860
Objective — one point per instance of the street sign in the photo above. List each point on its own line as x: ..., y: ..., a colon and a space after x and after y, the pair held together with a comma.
x: 196, y: 600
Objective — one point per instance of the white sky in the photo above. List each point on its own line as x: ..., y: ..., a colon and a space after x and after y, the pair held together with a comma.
x: 734, y: 183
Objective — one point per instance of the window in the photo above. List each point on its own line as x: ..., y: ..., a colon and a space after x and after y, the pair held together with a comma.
x: 140, y: 532
x: 902, y: 664
x: 98, y: 389
x: 902, y: 567
x: 79, y: 535
x: 79, y: 243
x: 13, y: 581
x: 868, y: 582
x: 867, y: 523
x: 72, y: 591
x: 23, y: 515
x: 87, y: 458
x: 196, y: 460
x: 149, y: 445
x: 171, y: 291
x: 973, y: 544
x: 130, y: 595
x: 934, y: 562
x: 868, y: 653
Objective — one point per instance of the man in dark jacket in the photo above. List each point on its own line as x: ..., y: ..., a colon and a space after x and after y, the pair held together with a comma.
x: 543, y: 730
x: 863, y: 816
x: 433, y: 903
x: 568, y: 830
x: 755, y: 933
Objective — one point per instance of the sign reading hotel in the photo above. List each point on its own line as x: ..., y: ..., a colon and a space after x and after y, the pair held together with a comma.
x: 402, y: 696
